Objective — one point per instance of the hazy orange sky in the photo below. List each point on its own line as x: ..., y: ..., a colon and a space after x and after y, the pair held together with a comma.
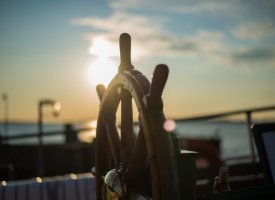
x: 221, y: 54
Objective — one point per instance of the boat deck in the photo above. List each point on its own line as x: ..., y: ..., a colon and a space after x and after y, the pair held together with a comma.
x: 67, y: 187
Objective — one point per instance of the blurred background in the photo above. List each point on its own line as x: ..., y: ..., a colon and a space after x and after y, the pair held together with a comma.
x: 221, y: 56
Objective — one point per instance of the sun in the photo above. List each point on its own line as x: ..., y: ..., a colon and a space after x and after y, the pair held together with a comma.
x: 103, y: 67
x: 102, y: 70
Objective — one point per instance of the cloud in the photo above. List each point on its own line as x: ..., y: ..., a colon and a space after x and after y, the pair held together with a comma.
x: 213, y: 45
x: 151, y: 38
x: 120, y: 22
x: 248, y: 57
x: 196, y: 7
x: 139, y: 27
x: 255, y: 30
x: 254, y: 55
x: 183, y: 6
x: 234, y: 8
x: 127, y: 4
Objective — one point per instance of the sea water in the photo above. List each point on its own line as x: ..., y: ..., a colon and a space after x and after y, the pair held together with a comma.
x: 17, y: 129
x: 233, y: 136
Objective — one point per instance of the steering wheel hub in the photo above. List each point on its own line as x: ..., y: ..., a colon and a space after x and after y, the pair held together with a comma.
x: 115, y: 187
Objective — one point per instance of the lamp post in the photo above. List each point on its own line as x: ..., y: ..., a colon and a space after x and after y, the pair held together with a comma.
x: 6, y: 115
x: 56, y: 110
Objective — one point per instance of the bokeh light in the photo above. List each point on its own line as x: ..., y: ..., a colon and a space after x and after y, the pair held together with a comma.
x: 169, y: 125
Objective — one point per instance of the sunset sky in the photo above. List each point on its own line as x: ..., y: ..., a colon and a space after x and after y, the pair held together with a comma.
x: 221, y: 54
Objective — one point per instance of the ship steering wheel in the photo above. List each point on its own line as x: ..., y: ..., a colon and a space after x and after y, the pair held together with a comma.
x: 134, y: 164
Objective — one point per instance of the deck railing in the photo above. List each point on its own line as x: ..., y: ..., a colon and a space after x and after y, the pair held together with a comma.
x: 248, y: 113
x: 68, y: 187
x: 244, y: 174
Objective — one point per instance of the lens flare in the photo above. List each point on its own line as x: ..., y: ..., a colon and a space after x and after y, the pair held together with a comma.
x: 169, y: 125
x: 4, y: 183
x: 38, y: 180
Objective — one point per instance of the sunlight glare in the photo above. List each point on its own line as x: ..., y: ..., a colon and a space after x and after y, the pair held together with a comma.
x: 102, y: 47
x: 89, y: 135
x: 102, y: 71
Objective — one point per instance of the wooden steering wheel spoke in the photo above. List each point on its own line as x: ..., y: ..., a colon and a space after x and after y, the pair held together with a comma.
x: 100, y: 91
x: 127, y: 130
x: 136, y: 165
x: 114, y: 142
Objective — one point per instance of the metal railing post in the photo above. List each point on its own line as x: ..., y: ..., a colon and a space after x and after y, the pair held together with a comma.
x: 40, y: 169
x: 6, y: 116
x: 250, y: 136
x: 56, y: 106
